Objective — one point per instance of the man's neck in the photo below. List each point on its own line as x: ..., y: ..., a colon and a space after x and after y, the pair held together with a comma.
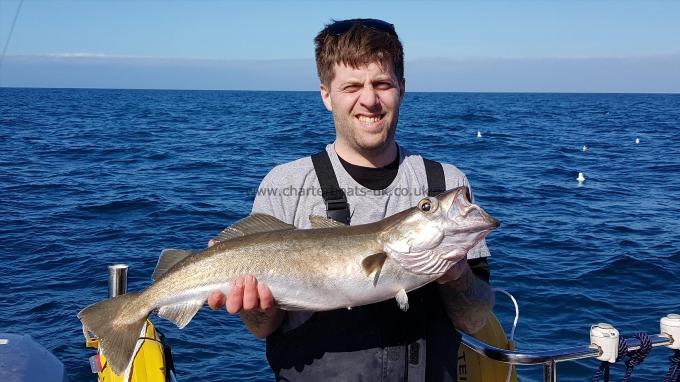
x: 375, y: 158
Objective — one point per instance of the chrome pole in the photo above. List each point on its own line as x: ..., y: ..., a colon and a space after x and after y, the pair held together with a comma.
x: 117, y: 279
x: 550, y: 372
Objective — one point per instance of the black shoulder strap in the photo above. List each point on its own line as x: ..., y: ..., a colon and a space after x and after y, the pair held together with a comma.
x: 436, y: 183
x: 337, y: 207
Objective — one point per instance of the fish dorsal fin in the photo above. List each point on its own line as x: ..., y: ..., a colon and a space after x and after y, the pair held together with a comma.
x: 322, y: 222
x: 168, y: 259
x: 254, y: 223
x: 374, y: 263
x: 181, y: 313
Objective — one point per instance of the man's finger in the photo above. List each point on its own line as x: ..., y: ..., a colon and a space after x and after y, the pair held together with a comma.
x: 250, y: 300
x: 235, y: 298
x: 216, y: 300
x: 266, y: 297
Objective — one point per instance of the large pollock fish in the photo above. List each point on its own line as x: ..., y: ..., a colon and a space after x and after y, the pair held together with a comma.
x: 326, y: 267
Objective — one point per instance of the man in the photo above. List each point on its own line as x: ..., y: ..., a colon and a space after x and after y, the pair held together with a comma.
x: 360, y: 65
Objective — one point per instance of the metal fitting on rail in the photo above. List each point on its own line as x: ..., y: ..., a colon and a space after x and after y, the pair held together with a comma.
x: 606, y: 338
x: 670, y: 327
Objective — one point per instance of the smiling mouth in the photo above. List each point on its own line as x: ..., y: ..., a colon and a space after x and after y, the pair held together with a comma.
x: 370, y: 121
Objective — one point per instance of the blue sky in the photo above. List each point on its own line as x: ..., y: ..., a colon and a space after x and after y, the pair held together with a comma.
x: 450, y: 46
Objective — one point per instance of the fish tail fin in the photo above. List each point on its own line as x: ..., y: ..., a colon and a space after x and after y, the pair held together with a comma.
x: 117, y: 323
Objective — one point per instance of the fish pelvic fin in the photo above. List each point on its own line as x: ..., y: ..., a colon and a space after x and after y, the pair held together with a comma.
x: 402, y: 299
x: 181, y: 313
x: 117, y: 323
x: 168, y: 259
x: 373, y: 264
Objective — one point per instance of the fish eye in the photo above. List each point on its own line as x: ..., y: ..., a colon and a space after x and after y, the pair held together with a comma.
x: 427, y: 205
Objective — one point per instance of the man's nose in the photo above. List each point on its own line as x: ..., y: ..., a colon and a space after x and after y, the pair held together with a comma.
x: 369, y: 97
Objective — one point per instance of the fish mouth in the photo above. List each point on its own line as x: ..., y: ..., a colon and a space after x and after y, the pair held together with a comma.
x: 466, y: 224
x: 466, y: 216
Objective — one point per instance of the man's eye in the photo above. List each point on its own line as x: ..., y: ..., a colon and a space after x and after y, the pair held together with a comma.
x: 383, y: 86
x: 351, y: 88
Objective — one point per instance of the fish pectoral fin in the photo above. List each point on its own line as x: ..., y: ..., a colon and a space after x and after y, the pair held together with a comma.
x: 323, y: 222
x: 168, y: 259
x: 374, y: 263
x: 402, y: 299
x: 254, y: 223
x: 181, y: 313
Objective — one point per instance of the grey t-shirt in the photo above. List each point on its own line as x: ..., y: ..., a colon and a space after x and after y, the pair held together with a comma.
x: 291, y: 193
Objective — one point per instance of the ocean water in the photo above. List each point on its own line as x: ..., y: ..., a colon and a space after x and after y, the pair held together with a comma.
x: 94, y: 177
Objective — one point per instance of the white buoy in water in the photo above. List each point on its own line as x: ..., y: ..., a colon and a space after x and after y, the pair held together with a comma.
x: 585, y: 148
x: 637, y: 141
x: 479, y: 134
x: 581, y: 178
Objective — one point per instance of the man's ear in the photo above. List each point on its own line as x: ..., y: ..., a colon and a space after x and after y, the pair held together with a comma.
x: 402, y: 88
x: 326, y: 97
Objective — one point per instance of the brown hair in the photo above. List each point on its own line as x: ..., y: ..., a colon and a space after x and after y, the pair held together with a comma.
x: 359, y: 45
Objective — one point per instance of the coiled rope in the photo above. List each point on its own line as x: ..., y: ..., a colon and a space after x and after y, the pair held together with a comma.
x: 604, y: 365
x: 674, y: 371
x: 635, y: 357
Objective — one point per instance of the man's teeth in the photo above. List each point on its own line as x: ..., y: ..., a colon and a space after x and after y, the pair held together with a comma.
x: 364, y: 119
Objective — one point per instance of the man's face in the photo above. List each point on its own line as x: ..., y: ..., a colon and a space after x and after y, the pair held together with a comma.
x: 365, y: 105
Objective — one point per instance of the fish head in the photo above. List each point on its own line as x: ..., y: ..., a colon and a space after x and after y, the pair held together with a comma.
x: 431, y: 237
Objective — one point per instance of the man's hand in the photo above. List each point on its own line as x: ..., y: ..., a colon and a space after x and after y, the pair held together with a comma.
x: 253, y: 301
x: 245, y: 294
x: 255, y: 304
x: 467, y: 299
x: 454, y: 273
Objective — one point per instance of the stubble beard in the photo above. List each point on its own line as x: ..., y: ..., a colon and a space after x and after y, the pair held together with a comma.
x: 368, y: 148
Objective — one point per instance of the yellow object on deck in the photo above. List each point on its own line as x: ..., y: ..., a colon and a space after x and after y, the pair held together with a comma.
x: 149, y: 363
x: 474, y: 367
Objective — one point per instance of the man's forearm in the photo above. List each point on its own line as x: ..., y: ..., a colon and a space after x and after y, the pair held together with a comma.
x: 262, y: 323
x: 468, y: 301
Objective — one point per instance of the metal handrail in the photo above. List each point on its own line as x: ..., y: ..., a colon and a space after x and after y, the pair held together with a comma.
x: 539, y: 357
x: 549, y: 358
